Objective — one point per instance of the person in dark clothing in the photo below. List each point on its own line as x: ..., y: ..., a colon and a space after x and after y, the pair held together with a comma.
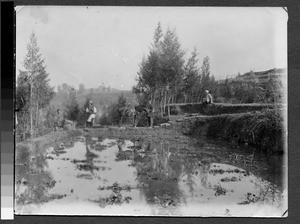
x: 142, y: 110
x: 123, y: 112
x: 137, y: 113
x: 150, y: 114
x: 59, y: 120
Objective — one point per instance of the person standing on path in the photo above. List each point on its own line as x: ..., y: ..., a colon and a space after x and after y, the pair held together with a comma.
x: 150, y: 114
x: 91, y: 110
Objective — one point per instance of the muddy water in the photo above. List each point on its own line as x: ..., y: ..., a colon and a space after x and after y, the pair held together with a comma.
x: 96, y: 176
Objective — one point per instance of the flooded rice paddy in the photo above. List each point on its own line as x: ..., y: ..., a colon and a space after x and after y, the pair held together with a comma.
x: 100, y: 176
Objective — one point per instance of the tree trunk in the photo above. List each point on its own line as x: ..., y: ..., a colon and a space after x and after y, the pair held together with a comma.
x: 30, y: 108
x: 37, y: 115
x: 165, y: 101
x: 169, y: 108
x: 161, y: 106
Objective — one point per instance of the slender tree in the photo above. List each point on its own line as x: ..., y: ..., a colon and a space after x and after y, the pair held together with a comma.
x: 72, y: 107
x: 205, y: 79
x: 81, y: 89
x: 191, y: 79
x: 161, y: 72
x: 38, y: 91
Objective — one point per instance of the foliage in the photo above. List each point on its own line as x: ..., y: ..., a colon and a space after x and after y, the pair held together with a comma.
x: 72, y: 107
x: 250, y: 89
x: 191, y: 79
x: 165, y: 76
x: 113, y: 113
x: 74, y: 101
x: 33, y: 93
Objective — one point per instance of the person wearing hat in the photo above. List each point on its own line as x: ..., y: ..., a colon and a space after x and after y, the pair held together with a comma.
x: 91, y: 110
x: 208, y: 97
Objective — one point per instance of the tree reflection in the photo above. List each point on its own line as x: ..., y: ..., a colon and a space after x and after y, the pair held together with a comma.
x: 123, y: 154
x: 158, y: 171
x: 31, y: 177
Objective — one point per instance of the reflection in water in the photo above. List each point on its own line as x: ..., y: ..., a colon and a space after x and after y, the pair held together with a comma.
x: 143, y: 178
x: 31, y: 177
x: 160, y: 175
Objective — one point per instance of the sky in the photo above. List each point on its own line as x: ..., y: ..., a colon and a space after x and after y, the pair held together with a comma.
x: 102, y: 44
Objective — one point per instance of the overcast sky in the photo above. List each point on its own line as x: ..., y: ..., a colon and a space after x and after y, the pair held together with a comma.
x: 91, y: 45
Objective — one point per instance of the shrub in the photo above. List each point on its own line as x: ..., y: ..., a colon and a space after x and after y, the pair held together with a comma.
x: 174, y: 110
x: 113, y: 113
x: 104, y: 120
x: 234, y: 101
x: 220, y: 100
x: 160, y: 120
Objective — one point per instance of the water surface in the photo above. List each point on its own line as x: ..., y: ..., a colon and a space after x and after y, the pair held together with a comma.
x: 96, y: 176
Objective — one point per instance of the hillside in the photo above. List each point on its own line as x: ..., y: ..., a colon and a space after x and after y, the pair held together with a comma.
x: 258, y: 77
x: 102, y: 98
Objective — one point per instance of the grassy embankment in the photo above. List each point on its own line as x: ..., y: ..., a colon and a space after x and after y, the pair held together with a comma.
x: 262, y: 129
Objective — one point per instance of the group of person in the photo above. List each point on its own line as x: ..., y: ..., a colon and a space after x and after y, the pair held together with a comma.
x: 136, y: 113
x: 61, y: 122
x: 149, y: 112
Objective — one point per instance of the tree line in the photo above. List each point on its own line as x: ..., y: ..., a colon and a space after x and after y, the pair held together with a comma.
x: 165, y: 76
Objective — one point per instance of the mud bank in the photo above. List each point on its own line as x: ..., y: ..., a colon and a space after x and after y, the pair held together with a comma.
x: 260, y: 129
